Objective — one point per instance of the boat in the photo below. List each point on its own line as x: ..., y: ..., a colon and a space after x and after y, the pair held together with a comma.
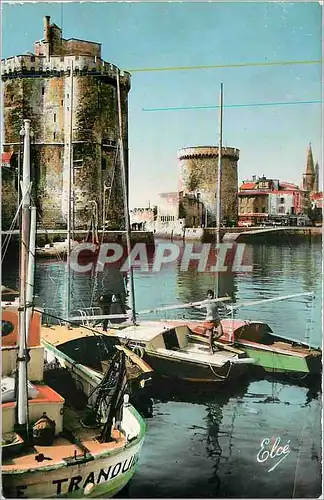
x: 83, y: 443
x: 87, y: 352
x: 55, y: 250
x: 272, y: 353
x: 172, y: 352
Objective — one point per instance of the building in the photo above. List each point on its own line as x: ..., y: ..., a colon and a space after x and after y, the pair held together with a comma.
x: 168, y: 207
x: 140, y: 218
x: 198, y: 184
x: 310, y: 177
x: 316, y: 208
x: 70, y: 95
x: 260, y: 198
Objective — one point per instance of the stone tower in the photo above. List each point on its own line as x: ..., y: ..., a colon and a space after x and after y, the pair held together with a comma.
x: 309, y: 175
x: 69, y: 94
x: 198, y: 173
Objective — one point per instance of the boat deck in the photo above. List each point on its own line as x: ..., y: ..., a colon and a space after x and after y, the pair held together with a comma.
x: 64, y: 449
x: 198, y: 352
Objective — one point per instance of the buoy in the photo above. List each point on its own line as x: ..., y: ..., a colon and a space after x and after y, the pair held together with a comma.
x: 88, y: 488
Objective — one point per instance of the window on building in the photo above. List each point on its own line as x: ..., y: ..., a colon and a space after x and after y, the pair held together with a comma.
x: 62, y: 59
x: 68, y: 96
x: 103, y: 164
x: 76, y: 58
x: 54, y: 117
x: 256, y: 210
x: 43, y: 90
x: 263, y: 210
x: 54, y: 136
x: 32, y: 59
x: 62, y: 102
x: 282, y: 200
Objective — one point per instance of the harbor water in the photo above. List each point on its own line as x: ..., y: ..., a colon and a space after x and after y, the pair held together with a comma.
x: 206, y: 441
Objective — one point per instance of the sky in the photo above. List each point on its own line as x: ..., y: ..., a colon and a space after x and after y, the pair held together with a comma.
x: 272, y: 139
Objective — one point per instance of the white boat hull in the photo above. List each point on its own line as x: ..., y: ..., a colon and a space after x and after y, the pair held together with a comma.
x: 105, y: 475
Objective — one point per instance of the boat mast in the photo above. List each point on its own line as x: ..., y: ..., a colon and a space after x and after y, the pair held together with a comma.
x: 22, y: 396
x: 69, y: 215
x: 31, y: 268
x: 125, y: 198
x: 218, y: 188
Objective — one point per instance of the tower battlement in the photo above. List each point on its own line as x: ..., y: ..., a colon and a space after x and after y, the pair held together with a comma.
x: 74, y: 116
x: 32, y: 66
x: 207, y: 152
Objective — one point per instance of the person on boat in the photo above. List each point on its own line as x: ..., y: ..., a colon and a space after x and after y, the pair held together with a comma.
x: 117, y: 306
x: 212, y: 322
x: 105, y: 301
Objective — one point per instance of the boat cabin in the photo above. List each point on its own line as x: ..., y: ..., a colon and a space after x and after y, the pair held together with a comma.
x: 155, y: 336
x: 42, y: 399
x: 253, y: 331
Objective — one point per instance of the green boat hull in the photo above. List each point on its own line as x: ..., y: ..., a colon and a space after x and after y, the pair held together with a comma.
x: 275, y: 362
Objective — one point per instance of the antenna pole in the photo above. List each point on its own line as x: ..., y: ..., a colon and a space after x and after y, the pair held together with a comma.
x: 125, y: 196
x: 218, y: 186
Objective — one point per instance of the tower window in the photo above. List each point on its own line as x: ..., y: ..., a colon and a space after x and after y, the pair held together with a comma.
x: 62, y: 102
x: 68, y: 96
x: 43, y: 90
x: 54, y: 117
x: 54, y: 136
x: 103, y: 164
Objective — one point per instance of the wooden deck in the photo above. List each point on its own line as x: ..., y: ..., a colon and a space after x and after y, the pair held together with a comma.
x: 63, y: 448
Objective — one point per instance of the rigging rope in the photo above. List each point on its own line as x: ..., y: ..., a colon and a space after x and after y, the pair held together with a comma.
x: 10, y: 231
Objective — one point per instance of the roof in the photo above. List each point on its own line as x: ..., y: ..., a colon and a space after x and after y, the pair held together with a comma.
x: 287, y: 185
x: 255, y: 192
x: 145, y: 331
x: 81, y: 40
x: 247, y: 185
x: 316, y: 196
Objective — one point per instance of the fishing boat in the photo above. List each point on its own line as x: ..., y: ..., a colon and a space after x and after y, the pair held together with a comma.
x: 272, y: 353
x: 74, y: 442
x: 87, y: 353
x: 172, y: 352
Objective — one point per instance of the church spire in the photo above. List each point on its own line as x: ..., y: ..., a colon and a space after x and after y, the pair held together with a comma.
x: 309, y: 175
x: 310, y: 162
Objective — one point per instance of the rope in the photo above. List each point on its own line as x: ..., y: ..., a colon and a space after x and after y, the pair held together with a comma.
x: 8, y: 236
x: 105, y: 214
x: 221, y: 376
x: 308, y: 328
